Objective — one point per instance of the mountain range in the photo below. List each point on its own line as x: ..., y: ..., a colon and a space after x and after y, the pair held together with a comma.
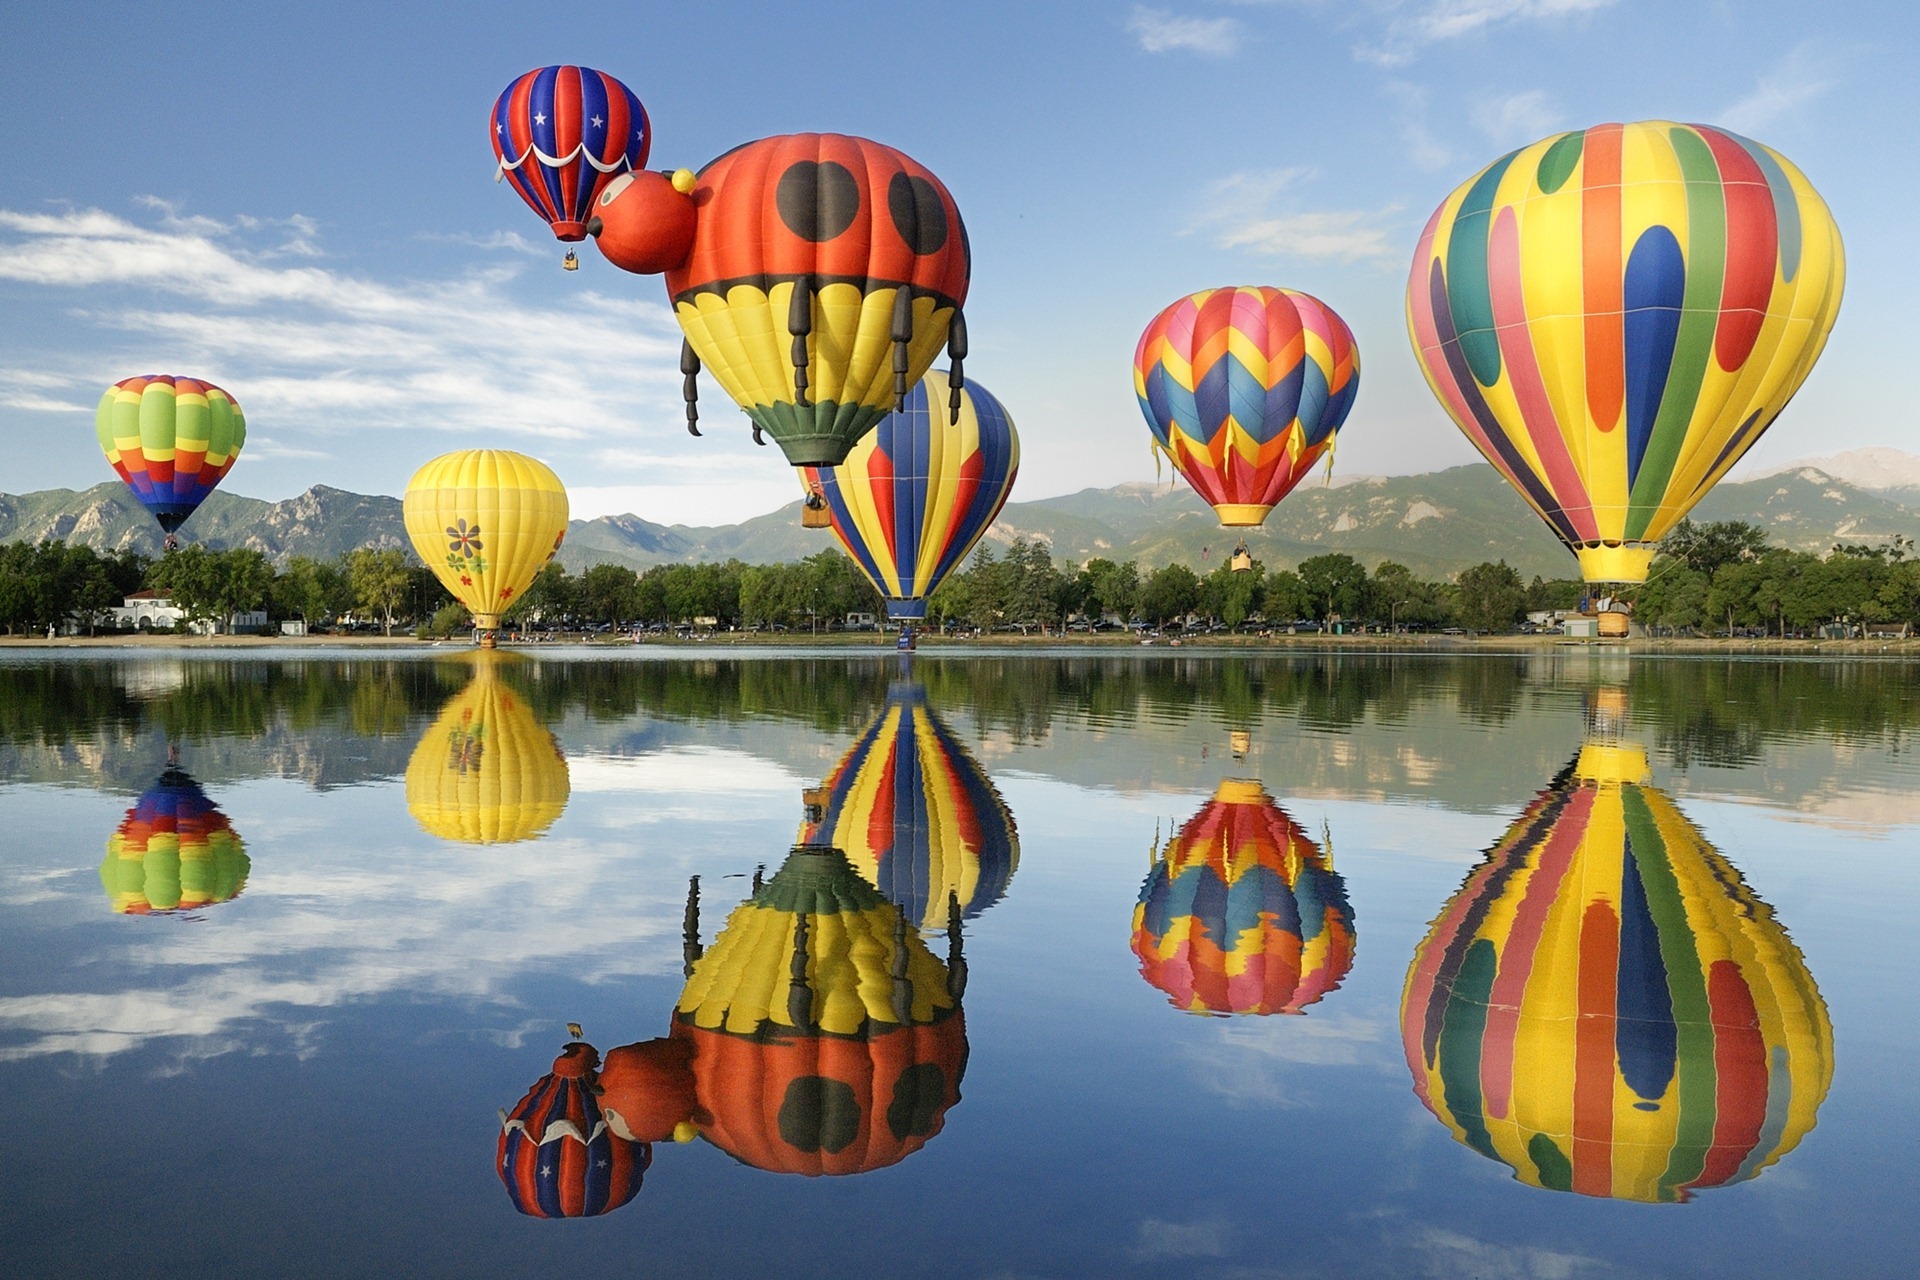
x: 1435, y: 524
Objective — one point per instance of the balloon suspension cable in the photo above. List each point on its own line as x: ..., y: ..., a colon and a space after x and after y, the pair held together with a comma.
x: 690, y: 948
x: 902, y: 985
x: 956, y: 372
x: 799, y: 324
x: 956, y: 950
x: 902, y: 333
x: 799, y: 996
x: 690, y: 385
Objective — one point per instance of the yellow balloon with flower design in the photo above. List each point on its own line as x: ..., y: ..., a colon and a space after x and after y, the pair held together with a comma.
x: 486, y: 521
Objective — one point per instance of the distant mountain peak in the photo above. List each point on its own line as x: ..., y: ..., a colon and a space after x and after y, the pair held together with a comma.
x: 1877, y: 468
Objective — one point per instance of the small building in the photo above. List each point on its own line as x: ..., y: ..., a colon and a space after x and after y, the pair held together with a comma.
x: 156, y: 611
x: 862, y: 622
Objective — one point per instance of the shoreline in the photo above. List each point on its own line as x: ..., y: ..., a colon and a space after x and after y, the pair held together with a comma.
x: 1308, y: 642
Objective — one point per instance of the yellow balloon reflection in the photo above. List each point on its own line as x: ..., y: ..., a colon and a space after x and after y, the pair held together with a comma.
x: 487, y: 771
x: 174, y: 851
x: 1606, y: 1008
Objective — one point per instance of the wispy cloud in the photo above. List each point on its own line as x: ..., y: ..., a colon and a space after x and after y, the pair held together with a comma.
x: 1247, y: 211
x: 317, y: 351
x: 1425, y: 149
x: 1204, y: 1238
x: 1803, y: 76
x: 1436, y: 21
x: 1518, y: 118
x: 1161, y: 31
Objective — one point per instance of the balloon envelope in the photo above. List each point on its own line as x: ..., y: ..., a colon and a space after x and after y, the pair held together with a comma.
x: 171, y: 439
x: 487, y: 771
x: 556, y: 1155
x: 486, y: 521
x: 1242, y: 913
x: 174, y: 851
x: 919, y: 491
x: 868, y: 235
x: 1613, y: 316
x: 1606, y: 1008
x: 1245, y: 389
x: 560, y: 134
x: 917, y: 816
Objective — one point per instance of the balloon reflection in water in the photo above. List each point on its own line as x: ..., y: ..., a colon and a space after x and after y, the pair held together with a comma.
x: 174, y: 851
x: 917, y: 816
x: 487, y: 771
x: 818, y: 1035
x: 556, y: 1154
x: 1242, y: 913
x: 1605, y: 1006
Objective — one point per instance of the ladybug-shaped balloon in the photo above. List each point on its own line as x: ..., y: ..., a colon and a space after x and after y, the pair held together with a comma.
x: 815, y: 275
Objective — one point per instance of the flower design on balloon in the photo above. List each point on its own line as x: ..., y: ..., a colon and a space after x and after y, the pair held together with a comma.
x: 463, y: 539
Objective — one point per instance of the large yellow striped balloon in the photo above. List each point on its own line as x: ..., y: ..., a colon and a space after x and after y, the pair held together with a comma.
x: 1605, y: 1006
x: 1613, y: 316
x: 487, y: 771
x: 486, y: 521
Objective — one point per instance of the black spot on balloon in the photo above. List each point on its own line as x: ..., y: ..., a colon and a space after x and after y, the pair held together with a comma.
x: 917, y: 213
x: 819, y: 1114
x: 917, y: 1098
x: 817, y: 199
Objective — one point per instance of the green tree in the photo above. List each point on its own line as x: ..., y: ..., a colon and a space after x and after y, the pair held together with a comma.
x: 609, y: 593
x: 1170, y: 592
x: 189, y: 577
x: 311, y: 590
x: 1234, y: 597
x: 1337, y: 585
x: 1674, y: 595
x: 1285, y: 597
x: 552, y: 596
x: 1708, y: 548
x: 1491, y: 597
x: 1113, y: 588
x: 378, y: 582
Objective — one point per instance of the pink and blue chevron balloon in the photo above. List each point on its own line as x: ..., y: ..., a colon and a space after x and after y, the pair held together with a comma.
x: 561, y: 134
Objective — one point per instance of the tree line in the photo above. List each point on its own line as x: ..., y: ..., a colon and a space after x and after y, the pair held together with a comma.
x: 1722, y: 577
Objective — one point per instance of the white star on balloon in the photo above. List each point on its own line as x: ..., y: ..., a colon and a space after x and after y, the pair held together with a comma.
x: 539, y: 119
x: 597, y: 122
x: 497, y: 128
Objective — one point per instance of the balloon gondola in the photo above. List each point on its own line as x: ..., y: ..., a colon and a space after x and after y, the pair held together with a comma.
x: 1606, y: 1008
x: 815, y: 276
x: 1245, y: 390
x: 1613, y: 316
x: 1242, y: 913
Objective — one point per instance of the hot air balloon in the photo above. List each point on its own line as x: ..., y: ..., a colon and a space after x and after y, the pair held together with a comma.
x: 560, y: 135
x: 818, y: 1035
x: 815, y: 275
x: 1606, y: 1008
x: 174, y: 851
x: 1242, y: 913
x: 486, y: 521
x: 917, y: 816
x: 1613, y: 316
x: 487, y: 771
x: 916, y: 494
x: 1245, y: 389
x: 556, y: 1155
x: 171, y: 439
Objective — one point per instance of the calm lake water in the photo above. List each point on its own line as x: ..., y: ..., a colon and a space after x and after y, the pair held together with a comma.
x: 1046, y: 966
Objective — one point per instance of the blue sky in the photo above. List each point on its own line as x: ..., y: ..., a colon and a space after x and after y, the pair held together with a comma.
x: 297, y: 202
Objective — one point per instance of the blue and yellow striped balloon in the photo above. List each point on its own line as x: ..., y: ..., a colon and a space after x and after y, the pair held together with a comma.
x: 916, y: 494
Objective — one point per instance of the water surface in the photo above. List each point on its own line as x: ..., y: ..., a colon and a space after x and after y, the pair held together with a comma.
x: 1317, y: 965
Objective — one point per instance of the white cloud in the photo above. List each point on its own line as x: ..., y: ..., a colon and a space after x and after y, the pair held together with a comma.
x: 1159, y: 31
x: 1436, y: 21
x: 1239, y: 210
x: 1518, y: 118
x: 1803, y: 76
x: 316, y: 351
x: 1427, y: 152
x: 1204, y: 1238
